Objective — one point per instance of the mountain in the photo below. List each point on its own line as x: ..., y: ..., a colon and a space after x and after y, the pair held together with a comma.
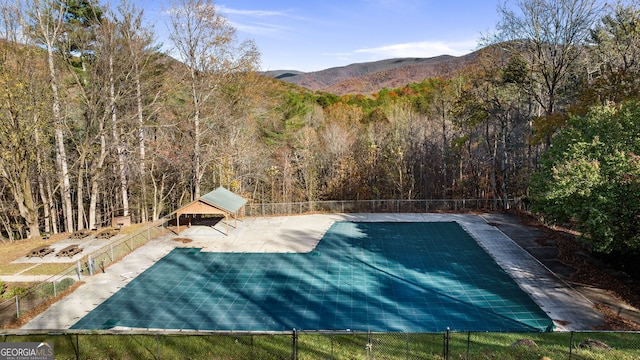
x: 371, y: 77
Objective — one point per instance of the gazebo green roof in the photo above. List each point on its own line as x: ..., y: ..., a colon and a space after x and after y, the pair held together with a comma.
x: 224, y: 199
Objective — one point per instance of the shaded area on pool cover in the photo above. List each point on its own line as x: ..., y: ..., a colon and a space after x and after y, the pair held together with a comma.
x: 363, y: 276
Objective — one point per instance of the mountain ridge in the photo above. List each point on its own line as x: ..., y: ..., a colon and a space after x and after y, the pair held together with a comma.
x: 371, y: 77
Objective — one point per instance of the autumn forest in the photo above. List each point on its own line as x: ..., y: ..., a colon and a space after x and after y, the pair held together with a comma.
x: 96, y: 121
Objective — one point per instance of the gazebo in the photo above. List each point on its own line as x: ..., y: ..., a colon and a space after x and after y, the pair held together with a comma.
x: 218, y: 202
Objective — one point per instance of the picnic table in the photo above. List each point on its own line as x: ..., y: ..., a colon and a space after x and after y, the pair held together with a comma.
x: 40, y: 251
x: 81, y: 234
x: 69, y: 250
x: 107, y: 234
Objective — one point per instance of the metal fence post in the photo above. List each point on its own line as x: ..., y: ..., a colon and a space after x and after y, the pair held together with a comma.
x: 17, y: 307
x: 571, y: 346
x: 294, y: 345
x: 253, y: 349
x: 79, y: 271
x: 446, y: 345
x: 331, y: 342
x: 54, y: 288
x: 158, y: 345
x: 407, y: 345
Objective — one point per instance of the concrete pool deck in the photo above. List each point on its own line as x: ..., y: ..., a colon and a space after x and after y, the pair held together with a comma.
x: 569, y: 309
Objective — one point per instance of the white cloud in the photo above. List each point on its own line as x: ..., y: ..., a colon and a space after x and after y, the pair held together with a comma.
x: 251, y: 13
x: 257, y: 22
x: 421, y: 49
x: 258, y: 28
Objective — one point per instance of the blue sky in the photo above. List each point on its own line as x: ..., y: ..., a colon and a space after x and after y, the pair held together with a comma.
x: 309, y: 35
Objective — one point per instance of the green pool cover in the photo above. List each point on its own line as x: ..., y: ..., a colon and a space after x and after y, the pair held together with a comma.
x: 362, y: 276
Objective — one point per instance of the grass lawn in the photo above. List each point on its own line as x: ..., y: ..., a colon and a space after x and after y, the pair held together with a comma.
x: 48, y: 269
x: 341, y: 346
x: 11, y: 251
x: 10, y: 269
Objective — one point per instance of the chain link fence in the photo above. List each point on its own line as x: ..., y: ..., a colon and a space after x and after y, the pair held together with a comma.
x: 382, y: 206
x: 302, y: 345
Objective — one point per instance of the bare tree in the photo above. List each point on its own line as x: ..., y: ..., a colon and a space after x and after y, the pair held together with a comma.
x: 551, y: 34
x: 86, y: 51
x: 98, y: 110
x: 47, y: 23
x: 206, y: 43
x: 138, y: 42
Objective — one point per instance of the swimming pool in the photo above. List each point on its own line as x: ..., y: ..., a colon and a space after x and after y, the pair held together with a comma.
x: 364, y: 276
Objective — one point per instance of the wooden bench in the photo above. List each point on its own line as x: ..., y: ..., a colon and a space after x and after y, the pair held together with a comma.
x: 81, y: 234
x: 40, y: 251
x: 69, y: 251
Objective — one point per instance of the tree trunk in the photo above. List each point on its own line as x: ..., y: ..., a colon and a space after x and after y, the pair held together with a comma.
x: 49, y: 36
x: 21, y: 189
x: 116, y: 140
x: 444, y: 152
x: 54, y: 212
x: 141, y: 144
x: 93, y: 201
x: 492, y: 146
x: 61, y: 153
x: 503, y: 166
x: 197, y: 172
x: 158, y: 196
x: 80, y: 198
x: 7, y: 227
x: 46, y: 205
x: 95, y: 176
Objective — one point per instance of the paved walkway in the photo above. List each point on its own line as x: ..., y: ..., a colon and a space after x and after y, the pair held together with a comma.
x: 547, y: 254
x: 569, y: 309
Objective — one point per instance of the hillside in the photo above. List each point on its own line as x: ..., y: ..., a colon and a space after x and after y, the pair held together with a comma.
x: 370, y: 77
